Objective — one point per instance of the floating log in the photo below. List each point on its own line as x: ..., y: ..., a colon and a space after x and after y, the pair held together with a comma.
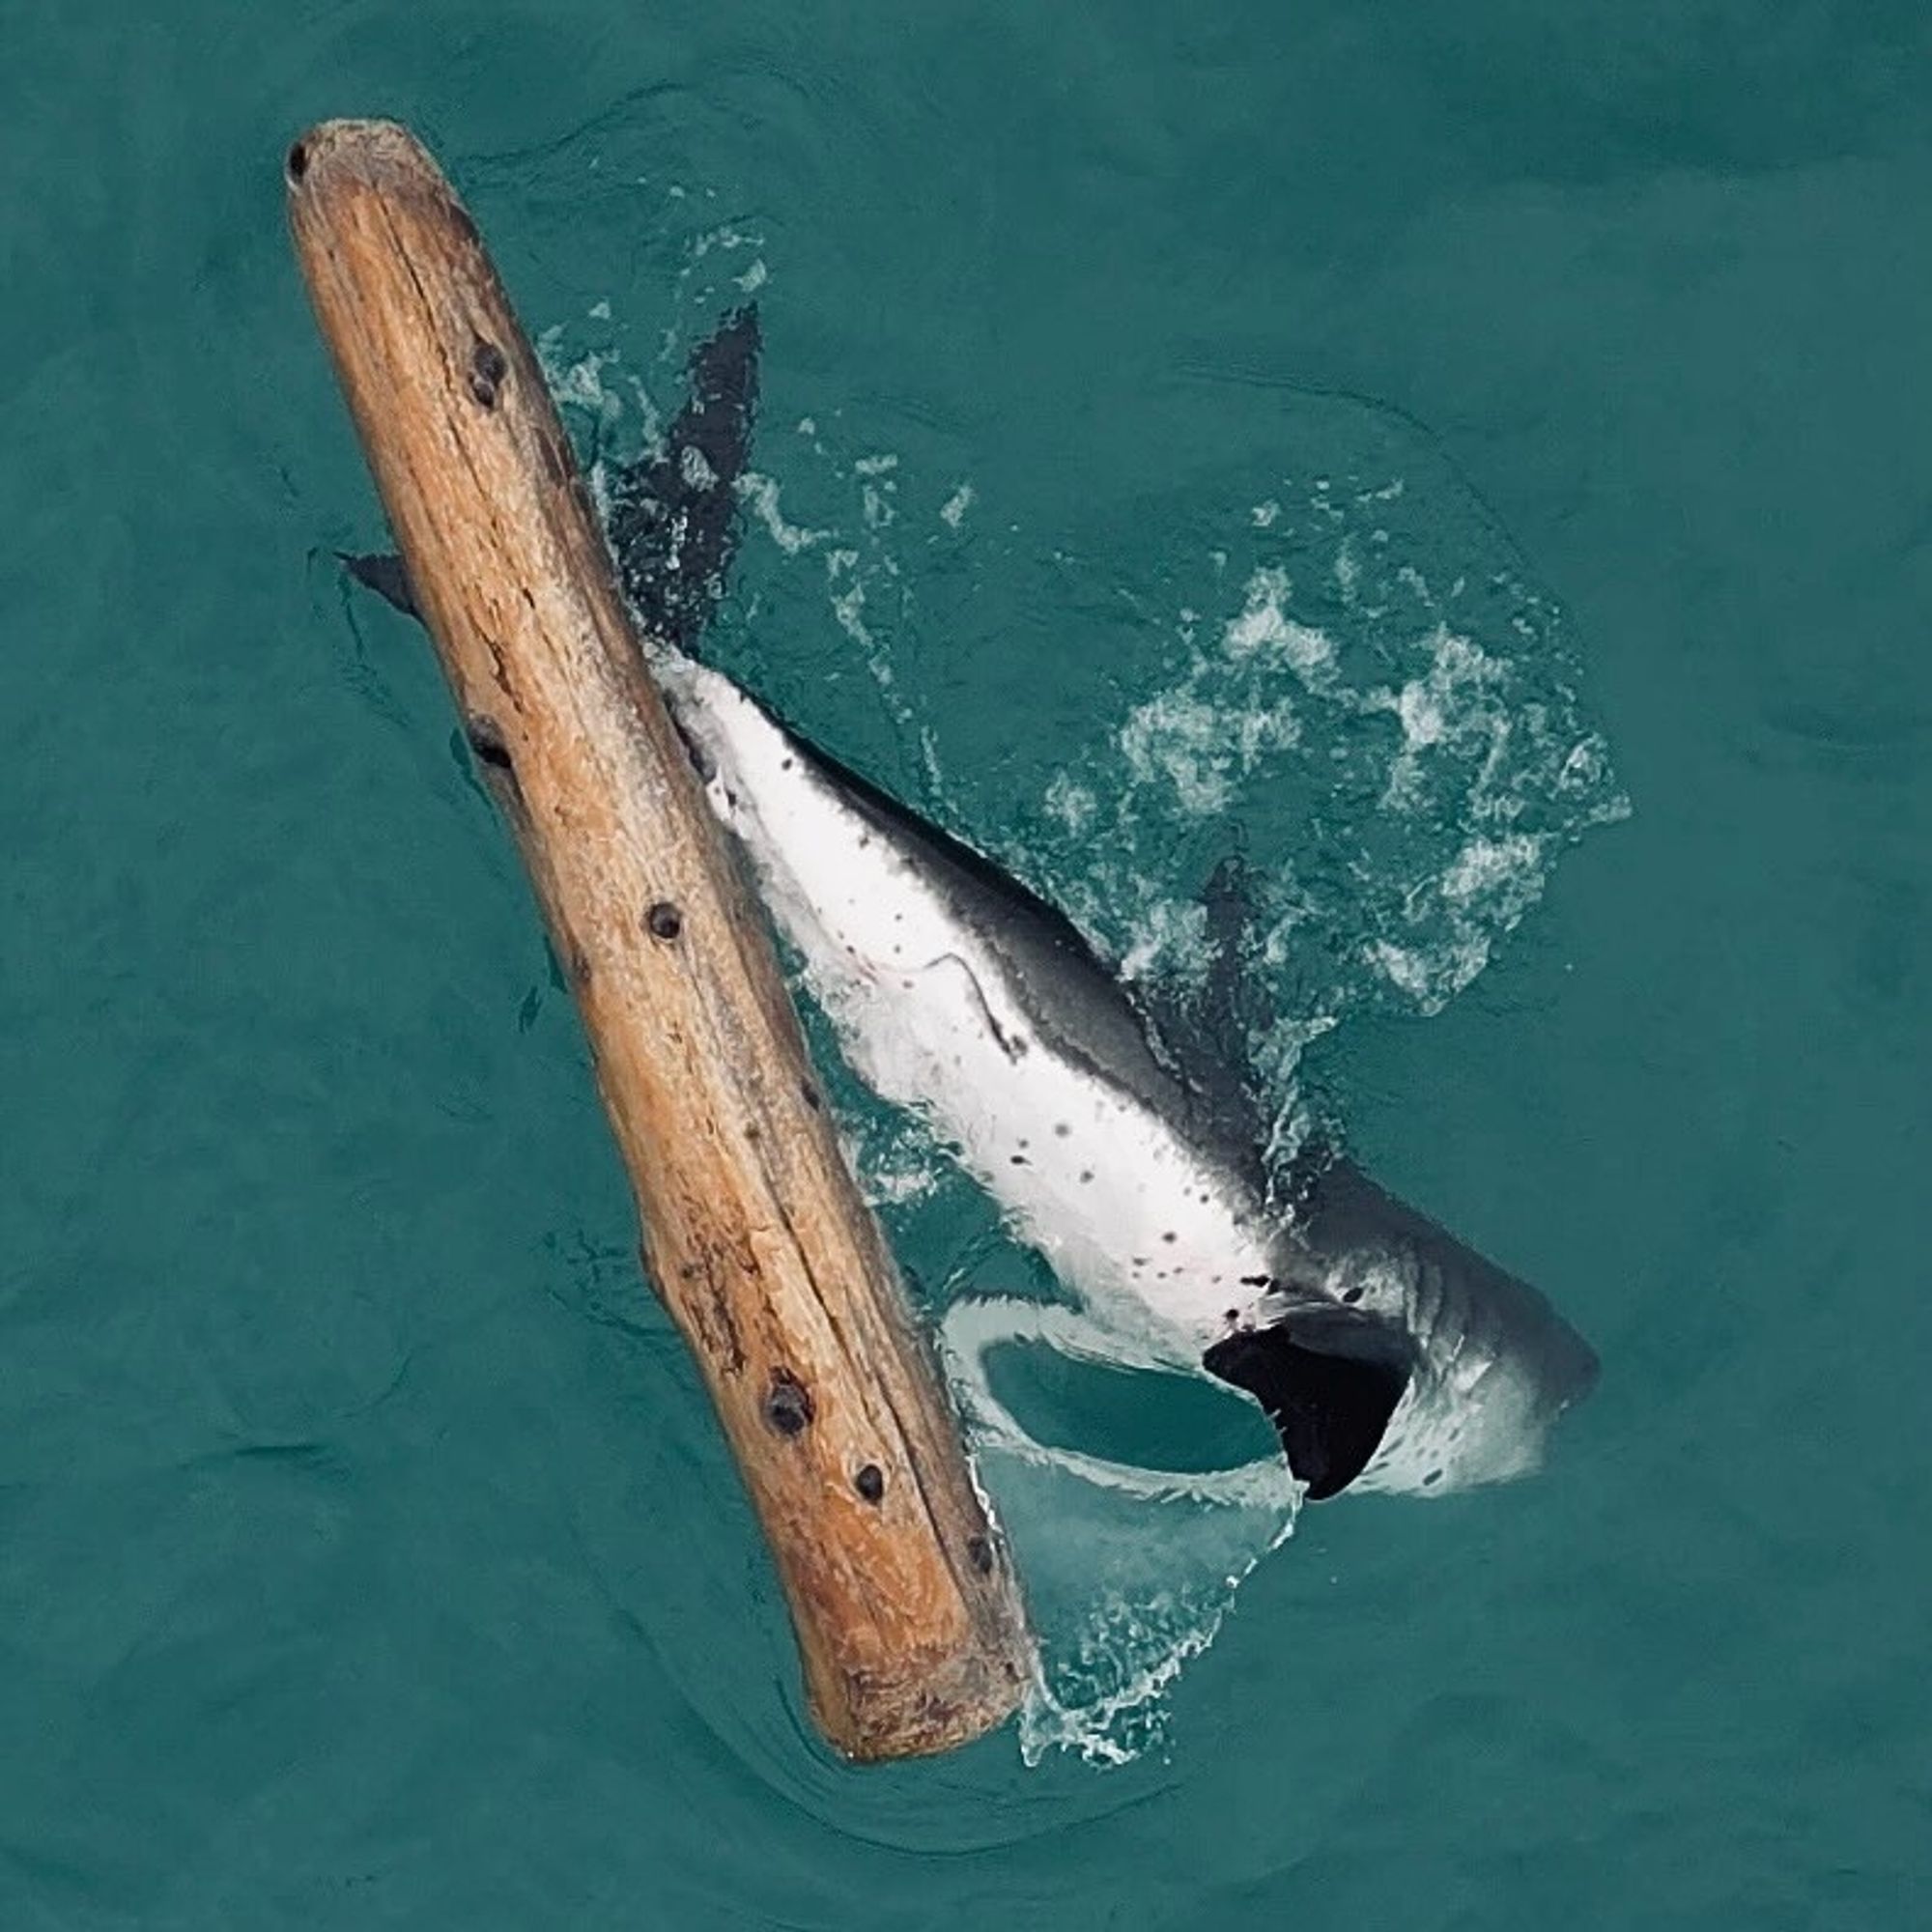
x: 907, y: 1614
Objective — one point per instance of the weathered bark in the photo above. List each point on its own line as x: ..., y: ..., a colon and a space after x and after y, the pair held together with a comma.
x: 908, y: 1617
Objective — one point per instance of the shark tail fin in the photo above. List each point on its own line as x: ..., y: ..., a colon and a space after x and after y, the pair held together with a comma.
x: 1329, y: 1381
x: 675, y: 514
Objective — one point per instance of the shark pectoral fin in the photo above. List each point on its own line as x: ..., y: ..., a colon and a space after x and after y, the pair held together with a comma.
x: 1329, y: 1409
x: 387, y: 575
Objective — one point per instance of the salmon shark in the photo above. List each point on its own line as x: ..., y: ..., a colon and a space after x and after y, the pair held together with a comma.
x: 1387, y: 1355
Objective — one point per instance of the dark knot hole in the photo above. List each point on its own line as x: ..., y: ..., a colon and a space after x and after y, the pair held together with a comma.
x: 788, y: 1405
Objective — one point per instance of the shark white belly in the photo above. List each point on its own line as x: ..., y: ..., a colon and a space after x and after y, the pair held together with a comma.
x: 1144, y: 1224
x: 953, y: 992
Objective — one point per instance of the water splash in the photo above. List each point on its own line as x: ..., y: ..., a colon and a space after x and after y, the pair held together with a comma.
x: 1368, y: 699
x: 1129, y: 1570
x: 1417, y: 762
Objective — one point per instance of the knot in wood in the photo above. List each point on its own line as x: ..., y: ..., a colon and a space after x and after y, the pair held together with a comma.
x: 487, y: 370
x: 486, y: 741
x: 788, y: 1405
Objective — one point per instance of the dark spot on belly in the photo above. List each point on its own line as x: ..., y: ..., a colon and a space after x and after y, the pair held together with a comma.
x: 1434, y: 1477
x: 1020, y: 1160
x: 1086, y: 1175
x: 1257, y: 1281
x: 1170, y: 1237
x: 1061, y: 1128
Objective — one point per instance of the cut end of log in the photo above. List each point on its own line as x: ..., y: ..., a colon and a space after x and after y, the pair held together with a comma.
x: 372, y: 150
x: 923, y: 1716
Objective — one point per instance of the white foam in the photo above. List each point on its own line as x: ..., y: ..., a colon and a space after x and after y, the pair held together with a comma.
x: 876, y: 506
x: 1203, y: 738
x: 1178, y: 737
x: 761, y: 493
x: 1508, y: 870
x: 698, y: 473
x: 1432, y: 975
x: 1347, y: 571
x: 1071, y: 802
x: 578, y: 381
x: 1263, y: 624
x: 849, y: 603
x: 1172, y: 943
x: 1114, y: 1725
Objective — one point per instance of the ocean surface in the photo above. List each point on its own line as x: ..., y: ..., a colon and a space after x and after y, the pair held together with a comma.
x: 1472, y: 464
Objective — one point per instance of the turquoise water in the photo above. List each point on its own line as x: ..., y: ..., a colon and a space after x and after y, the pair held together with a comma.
x: 369, y: 1555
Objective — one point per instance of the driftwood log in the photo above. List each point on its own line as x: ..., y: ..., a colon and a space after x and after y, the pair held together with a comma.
x: 907, y: 1615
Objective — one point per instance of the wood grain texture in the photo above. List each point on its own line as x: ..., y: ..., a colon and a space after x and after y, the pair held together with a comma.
x: 908, y: 1617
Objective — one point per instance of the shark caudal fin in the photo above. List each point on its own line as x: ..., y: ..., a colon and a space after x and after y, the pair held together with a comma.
x: 1329, y: 1381
x: 674, y: 515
